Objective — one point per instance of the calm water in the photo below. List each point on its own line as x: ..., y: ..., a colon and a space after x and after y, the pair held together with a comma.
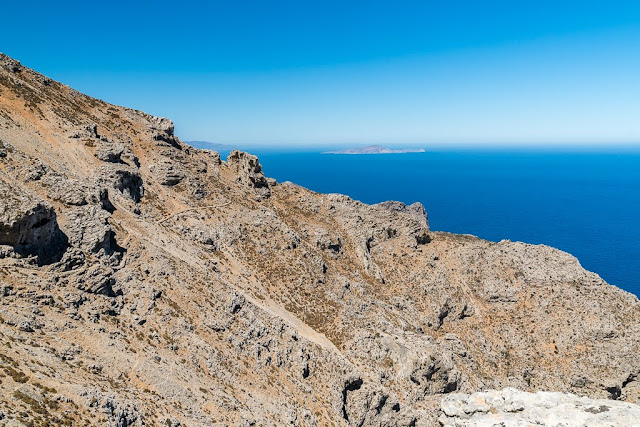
x: 587, y: 203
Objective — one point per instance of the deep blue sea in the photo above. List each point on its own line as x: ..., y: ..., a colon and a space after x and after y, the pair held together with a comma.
x: 585, y: 203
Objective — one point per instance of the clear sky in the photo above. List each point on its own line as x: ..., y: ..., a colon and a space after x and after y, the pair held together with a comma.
x: 321, y: 72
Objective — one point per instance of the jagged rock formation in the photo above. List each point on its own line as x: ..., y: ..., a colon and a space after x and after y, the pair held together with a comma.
x: 513, y: 408
x: 28, y: 225
x: 144, y: 282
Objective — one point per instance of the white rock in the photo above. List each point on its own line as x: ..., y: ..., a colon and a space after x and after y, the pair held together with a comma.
x: 515, y: 408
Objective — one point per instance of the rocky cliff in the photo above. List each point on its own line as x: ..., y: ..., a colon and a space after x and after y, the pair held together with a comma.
x: 145, y: 282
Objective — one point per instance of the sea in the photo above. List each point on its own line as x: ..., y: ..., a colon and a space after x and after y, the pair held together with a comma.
x: 582, y: 201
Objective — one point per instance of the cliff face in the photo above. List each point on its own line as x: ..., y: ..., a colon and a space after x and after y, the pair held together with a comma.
x: 145, y: 282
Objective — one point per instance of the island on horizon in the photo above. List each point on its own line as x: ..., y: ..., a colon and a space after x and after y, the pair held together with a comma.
x: 206, y: 145
x: 376, y: 149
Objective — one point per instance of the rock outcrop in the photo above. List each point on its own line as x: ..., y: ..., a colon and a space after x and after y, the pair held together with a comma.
x: 28, y: 225
x: 144, y: 282
x: 514, y: 408
x: 249, y: 171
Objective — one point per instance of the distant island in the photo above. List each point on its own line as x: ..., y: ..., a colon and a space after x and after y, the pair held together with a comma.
x: 376, y: 149
x: 206, y: 145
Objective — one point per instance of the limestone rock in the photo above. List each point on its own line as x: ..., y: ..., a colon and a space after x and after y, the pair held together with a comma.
x: 513, y: 408
x: 98, y: 280
x: 10, y: 64
x: 416, y: 210
x: 111, y: 153
x: 29, y: 225
x: 89, y: 229
x: 164, y: 128
x: 167, y: 172
x: 126, y: 180
x: 249, y: 171
x: 4, y: 149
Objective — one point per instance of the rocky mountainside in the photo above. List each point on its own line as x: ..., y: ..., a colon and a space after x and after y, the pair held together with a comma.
x: 145, y: 282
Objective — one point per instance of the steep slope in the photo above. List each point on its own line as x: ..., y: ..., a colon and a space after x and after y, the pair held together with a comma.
x: 145, y: 282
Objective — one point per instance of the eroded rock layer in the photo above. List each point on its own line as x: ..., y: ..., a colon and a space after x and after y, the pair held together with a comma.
x: 145, y: 282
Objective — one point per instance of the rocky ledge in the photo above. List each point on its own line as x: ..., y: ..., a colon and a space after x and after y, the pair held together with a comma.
x: 515, y: 408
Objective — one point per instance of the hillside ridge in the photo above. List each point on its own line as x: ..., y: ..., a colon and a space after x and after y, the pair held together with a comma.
x: 146, y: 282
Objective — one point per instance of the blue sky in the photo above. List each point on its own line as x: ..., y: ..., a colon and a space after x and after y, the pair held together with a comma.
x: 310, y: 72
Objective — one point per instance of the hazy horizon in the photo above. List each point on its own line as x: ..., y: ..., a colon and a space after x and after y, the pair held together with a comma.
x: 435, y: 146
x: 288, y: 73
